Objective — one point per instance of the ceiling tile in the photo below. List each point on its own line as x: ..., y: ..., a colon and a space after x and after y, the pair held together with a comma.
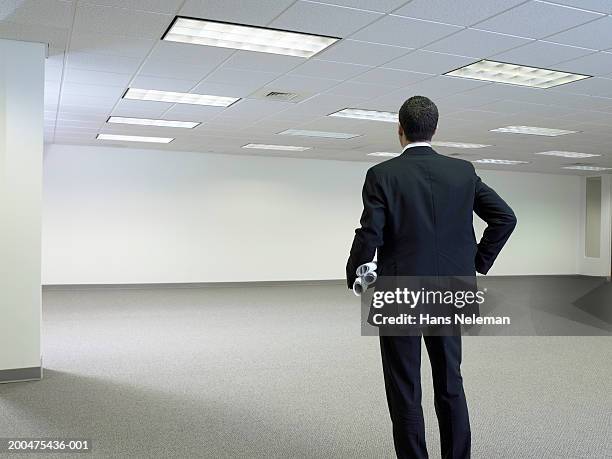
x: 496, y: 91
x: 472, y: 99
x: 596, y: 64
x: 140, y: 108
x: 594, y: 35
x: 319, y: 18
x: 390, y: 77
x: 259, y: 12
x: 75, y: 75
x: 459, y: 12
x: 102, y: 62
x: 155, y: 6
x: 186, y: 112
x: 76, y: 125
x: 53, y: 70
x: 537, y: 19
x: 601, y: 6
x: 589, y: 116
x: 163, y: 84
x: 80, y: 113
x: 252, y: 110
x: 240, y: 79
x: 54, y: 36
x: 541, y: 54
x: 119, y: 21
x: 50, y: 13
x: 190, y: 54
x: 515, y: 107
x: 179, y: 70
x: 476, y: 43
x: 360, y: 52
x: 570, y: 101
x: 110, y: 44
x: 406, y: 32
x: 366, y: 91
x: 383, y: 6
x: 435, y: 88
x: 52, y: 87
x: 91, y: 90
x: 101, y: 103
x: 221, y: 89
x: 429, y: 62
x: 601, y: 87
x: 331, y: 70
x: 265, y: 62
x: 324, y: 104
x: 301, y: 84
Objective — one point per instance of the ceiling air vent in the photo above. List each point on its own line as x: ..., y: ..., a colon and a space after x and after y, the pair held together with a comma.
x: 278, y: 96
x: 283, y: 96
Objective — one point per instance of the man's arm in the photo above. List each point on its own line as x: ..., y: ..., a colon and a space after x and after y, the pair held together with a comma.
x: 500, y: 221
x: 370, y: 235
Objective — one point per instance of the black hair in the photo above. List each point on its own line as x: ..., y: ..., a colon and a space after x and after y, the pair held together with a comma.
x: 418, y: 117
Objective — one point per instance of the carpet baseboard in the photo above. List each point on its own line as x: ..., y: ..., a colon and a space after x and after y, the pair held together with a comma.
x: 21, y: 374
x: 283, y: 283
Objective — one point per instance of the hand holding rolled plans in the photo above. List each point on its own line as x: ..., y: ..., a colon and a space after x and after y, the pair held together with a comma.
x: 366, y: 276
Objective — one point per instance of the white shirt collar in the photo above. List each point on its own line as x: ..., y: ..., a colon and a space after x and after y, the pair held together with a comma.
x: 416, y: 144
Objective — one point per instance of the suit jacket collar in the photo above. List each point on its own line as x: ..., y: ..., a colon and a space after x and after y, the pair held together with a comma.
x: 418, y: 151
x: 416, y: 144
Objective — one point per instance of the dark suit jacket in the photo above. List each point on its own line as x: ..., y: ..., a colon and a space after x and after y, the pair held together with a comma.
x: 418, y: 214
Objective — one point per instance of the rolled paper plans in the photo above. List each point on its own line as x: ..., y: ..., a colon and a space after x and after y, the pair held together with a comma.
x: 366, y: 276
x: 370, y: 277
x: 366, y: 268
x: 358, y: 287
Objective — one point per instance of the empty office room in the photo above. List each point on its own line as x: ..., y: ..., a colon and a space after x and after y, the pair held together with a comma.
x: 306, y: 229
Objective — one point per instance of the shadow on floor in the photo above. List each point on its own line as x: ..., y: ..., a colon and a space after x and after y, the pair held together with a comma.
x: 124, y: 420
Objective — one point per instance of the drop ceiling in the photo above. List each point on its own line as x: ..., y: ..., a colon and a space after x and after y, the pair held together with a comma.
x: 389, y: 50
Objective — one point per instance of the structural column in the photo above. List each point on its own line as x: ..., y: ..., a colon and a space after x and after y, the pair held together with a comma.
x: 21, y: 152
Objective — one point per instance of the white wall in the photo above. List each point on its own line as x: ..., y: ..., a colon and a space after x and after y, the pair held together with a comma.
x: 548, y: 210
x: 115, y: 215
x: 22, y: 75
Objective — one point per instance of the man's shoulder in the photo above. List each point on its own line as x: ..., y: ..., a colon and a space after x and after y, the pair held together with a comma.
x: 457, y: 162
x: 385, y: 166
x: 394, y: 164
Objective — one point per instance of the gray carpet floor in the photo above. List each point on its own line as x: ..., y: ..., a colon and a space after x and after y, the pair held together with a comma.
x: 282, y: 372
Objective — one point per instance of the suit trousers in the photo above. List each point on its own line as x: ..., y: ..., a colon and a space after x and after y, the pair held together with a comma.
x: 401, y: 361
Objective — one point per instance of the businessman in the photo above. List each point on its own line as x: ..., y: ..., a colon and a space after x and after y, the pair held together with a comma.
x: 418, y: 211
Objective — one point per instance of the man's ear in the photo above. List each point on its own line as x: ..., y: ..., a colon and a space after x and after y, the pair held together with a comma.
x: 400, y: 131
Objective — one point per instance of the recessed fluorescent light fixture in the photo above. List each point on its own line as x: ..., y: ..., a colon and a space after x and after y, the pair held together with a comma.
x: 261, y: 146
x: 384, y: 154
x: 567, y: 154
x: 588, y: 168
x: 250, y: 38
x: 325, y: 134
x: 134, y: 138
x: 152, y: 122
x: 531, y: 130
x: 509, y: 162
x: 458, y: 145
x: 372, y: 115
x: 500, y: 72
x: 179, y: 97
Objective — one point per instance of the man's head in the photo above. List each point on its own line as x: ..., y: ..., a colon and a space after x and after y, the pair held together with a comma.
x: 418, y: 120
